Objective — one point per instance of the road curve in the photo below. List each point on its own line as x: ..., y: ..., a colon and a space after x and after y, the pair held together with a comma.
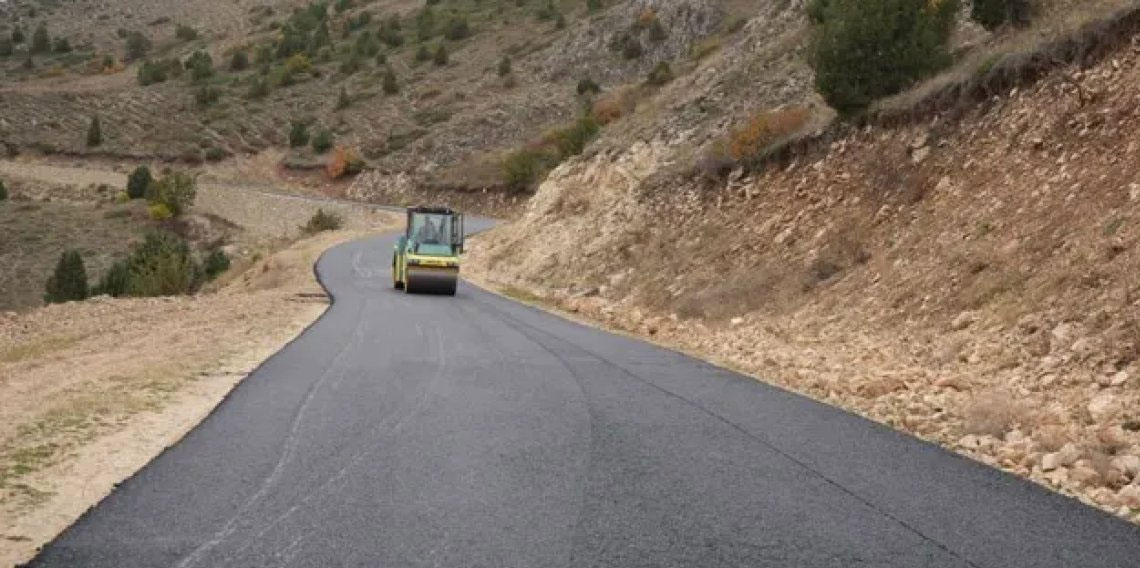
x: 412, y: 431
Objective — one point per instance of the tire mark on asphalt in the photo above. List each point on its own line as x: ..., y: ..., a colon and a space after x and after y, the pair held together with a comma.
x: 288, y: 449
x: 392, y: 424
x: 758, y: 439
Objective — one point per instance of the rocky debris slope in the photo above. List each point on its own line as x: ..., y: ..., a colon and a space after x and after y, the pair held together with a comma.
x: 975, y: 283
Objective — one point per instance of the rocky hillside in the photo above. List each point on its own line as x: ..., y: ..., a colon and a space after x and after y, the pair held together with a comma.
x: 969, y: 278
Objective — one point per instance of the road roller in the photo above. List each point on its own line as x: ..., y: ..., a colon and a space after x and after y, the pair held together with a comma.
x: 426, y: 258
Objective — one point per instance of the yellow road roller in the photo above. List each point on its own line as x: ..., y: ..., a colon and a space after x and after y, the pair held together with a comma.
x: 426, y: 258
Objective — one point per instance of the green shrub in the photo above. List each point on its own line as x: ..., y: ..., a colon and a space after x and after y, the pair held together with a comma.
x: 137, y: 45
x: 176, y: 191
x: 61, y: 45
x: 391, y: 85
x: 41, y: 41
x: 572, y: 140
x: 868, y: 49
x: 258, y: 88
x: 522, y: 168
x: 159, y: 71
x: 159, y: 212
x: 215, y: 263
x: 116, y: 281
x: 587, y: 86
x: 457, y: 28
x: 343, y: 100
x: 505, y: 66
x: 200, y: 65
x: 657, y: 33
x: 390, y: 32
x: 216, y: 154
x: 7, y: 48
x: 162, y: 266
x: 69, y: 281
x: 628, y: 45
x: 239, y: 61
x: 593, y: 5
x: 323, y: 141
x: 322, y: 221
x: 298, y: 134
x: 992, y: 14
x: 816, y: 10
x: 206, y: 96
x: 660, y: 74
x: 366, y: 46
x: 423, y: 54
x: 94, y: 133
x: 138, y: 182
x: 185, y: 33
x: 439, y: 58
x: 425, y: 24
x: 17, y: 35
x: 547, y: 11
x: 3, y: 191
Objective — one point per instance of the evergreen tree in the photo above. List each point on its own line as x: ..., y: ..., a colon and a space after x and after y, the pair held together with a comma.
x: 41, y: 42
x: 138, y: 182
x: 391, y: 86
x: 94, y: 133
x: 69, y: 282
x: 864, y: 50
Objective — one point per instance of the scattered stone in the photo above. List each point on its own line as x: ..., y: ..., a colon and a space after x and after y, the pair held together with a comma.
x: 964, y: 320
x: 1103, y: 407
x: 1129, y: 496
x: 1065, y: 457
x: 1127, y: 464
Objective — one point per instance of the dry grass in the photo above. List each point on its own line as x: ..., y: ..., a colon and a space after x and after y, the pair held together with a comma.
x: 765, y: 129
x: 34, y: 234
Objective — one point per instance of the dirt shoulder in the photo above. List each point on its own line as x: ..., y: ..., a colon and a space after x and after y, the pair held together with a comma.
x: 92, y: 391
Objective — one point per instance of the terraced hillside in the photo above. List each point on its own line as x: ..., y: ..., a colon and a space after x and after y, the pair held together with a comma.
x: 370, y: 74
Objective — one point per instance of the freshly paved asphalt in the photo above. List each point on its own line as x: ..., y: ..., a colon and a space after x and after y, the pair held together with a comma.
x: 408, y: 431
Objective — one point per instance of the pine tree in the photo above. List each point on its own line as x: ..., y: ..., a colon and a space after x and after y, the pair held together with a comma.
x: 41, y: 42
x: 94, y: 133
x: 138, y: 182
x: 391, y: 86
x: 69, y: 282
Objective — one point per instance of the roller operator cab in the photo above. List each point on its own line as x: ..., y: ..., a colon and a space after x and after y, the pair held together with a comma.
x: 426, y: 258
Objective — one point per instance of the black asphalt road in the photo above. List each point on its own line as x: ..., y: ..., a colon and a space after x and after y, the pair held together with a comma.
x: 408, y: 431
